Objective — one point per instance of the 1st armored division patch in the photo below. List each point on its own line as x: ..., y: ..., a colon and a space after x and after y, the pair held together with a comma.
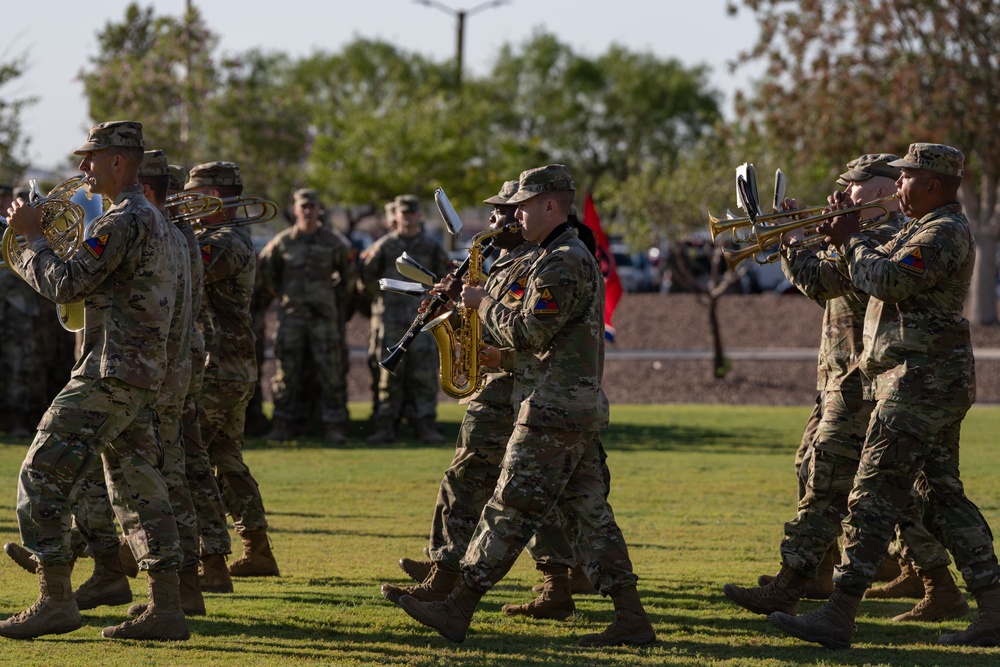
x: 914, y: 261
x: 546, y: 304
x: 97, y: 244
x: 206, y: 254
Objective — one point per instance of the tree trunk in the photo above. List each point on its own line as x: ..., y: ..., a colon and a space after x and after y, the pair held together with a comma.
x: 720, y: 365
x: 981, y: 306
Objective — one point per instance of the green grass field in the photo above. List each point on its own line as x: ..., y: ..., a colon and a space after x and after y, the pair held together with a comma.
x: 701, y: 493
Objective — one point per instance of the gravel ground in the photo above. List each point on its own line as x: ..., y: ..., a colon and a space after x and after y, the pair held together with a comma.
x: 680, y: 322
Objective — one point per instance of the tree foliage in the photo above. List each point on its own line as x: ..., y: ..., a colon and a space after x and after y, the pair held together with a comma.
x: 846, y: 77
x: 13, y: 144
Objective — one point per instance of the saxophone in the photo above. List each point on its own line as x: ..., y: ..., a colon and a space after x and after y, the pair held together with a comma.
x: 458, y: 348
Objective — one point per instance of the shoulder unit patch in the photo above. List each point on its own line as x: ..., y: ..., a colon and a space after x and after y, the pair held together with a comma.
x: 546, y: 304
x: 914, y: 261
x: 96, y: 245
x: 206, y: 254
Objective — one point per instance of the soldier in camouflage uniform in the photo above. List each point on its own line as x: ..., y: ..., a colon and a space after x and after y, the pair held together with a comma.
x: 809, y: 549
x: 415, y: 381
x: 230, y: 375
x: 128, y: 285
x: 552, y: 460
x: 486, y: 427
x: 21, y: 360
x: 303, y: 267
x: 919, y: 362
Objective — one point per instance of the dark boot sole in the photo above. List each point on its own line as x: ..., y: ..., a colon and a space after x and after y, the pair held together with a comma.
x: 61, y: 630
x: 412, y: 607
x: 733, y: 594
x: 779, y: 621
x: 953, y: 613
x: 114, y: 600
x: 552, y: 615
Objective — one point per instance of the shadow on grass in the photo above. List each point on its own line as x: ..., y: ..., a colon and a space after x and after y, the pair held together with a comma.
x: 620, y: 437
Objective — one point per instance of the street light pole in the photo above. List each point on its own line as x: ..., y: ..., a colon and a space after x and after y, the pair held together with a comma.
x: 460, y: 16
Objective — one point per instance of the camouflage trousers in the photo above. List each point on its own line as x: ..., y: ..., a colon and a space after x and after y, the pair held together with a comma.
x: 827, y: 477
x: 470, y: 481
x: 94, y: 420
x: 543, y: 469
x: 93, y: 514
x: 222, y: 408
x: 804, y: 452
x: 301, y: 340
x: 205, y: 493
x: 914, y: 447
x: 414, y: 385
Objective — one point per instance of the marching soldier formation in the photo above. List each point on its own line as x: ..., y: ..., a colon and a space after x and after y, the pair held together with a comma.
x: 148, y: 430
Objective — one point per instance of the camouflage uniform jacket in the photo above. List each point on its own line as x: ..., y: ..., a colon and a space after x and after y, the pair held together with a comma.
x: 230, y: 268
x: 917, y: 343
x: 557, y: 330
x: 307, y: 272
x: 178, y: 376
x: 197, y: 340
x: 506, y: 284
x: 822, y: 278
x: 398, y: 310
x: 127, y: 282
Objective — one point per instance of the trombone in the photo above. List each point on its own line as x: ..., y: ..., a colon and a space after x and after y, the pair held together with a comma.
x: 190, y: 206
x: 764, y: 236
x: 255, y: 209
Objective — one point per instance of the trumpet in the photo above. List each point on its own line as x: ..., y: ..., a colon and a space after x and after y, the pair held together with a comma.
x: 255, y: 209
x: 189, y: 206
x: 764, y: 236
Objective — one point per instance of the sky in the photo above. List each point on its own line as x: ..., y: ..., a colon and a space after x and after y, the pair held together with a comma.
x: 59, y: 37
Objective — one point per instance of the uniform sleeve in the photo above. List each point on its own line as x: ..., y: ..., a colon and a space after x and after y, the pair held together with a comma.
x: 549, y: 301
x: 222, y: 261
x: 371, y: 270
x: 344, y: 263
x: 270, y: 267
x: 897, y: 270
x: 113, y: 237
x: 817, y: 275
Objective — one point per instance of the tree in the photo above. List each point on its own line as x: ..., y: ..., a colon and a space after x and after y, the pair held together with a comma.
x: 157, y: 70
x: 13, y: 145
x: 846, y: 77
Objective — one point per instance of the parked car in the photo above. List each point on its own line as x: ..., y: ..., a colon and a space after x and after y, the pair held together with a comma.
x: 634, y: 270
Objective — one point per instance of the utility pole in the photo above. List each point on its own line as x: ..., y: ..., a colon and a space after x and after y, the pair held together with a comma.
x: 460, y: 16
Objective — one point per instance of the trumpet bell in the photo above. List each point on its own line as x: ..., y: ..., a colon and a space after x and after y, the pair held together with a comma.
x: 72, y: 316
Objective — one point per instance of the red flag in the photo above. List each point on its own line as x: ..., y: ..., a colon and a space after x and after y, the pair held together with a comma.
x: 612, y: 285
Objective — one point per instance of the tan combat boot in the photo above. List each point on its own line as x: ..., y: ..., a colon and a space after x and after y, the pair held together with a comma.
x: 427, y: 431
x: 820, y: 588
x: 129, y: 565
x: 782, y: 594
x: 942, y: 600
x: 439, y: 583
x: 416, y: 569
x: 335, y: 433
x: 889, y: 569
x: 108, y: 586
x: 451, y: 617
x: 213, y: 576
x: 631, y: 626
x: 383, y: 433
x: 192, y: 601
x: 21, y: 556
x: 832, y: 625
x: 554, y: 601
x: 907, y: 585
x: 162, y: 619
x: 257, y: 559
x: 985, y: 630
x: 281, y: 430
x: 53, y: 613
x: 579, y: 584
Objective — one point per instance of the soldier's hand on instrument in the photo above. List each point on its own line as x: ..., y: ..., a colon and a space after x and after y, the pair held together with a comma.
x: 449, y: 286
x: 490, y: 356
x: 473, y: 296
x: 25, y: 220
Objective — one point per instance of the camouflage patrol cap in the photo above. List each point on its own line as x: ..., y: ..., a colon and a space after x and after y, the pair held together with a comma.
x: 124, y: 133
x: 868, y: 166
x: 178, y: 176
x: 506, y: 192
x: 306, y: 196
x: 933, y: 157
x: 407, y: 203
x: 214, y: 173
x: 154, y: 163
x: 551, y: 178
